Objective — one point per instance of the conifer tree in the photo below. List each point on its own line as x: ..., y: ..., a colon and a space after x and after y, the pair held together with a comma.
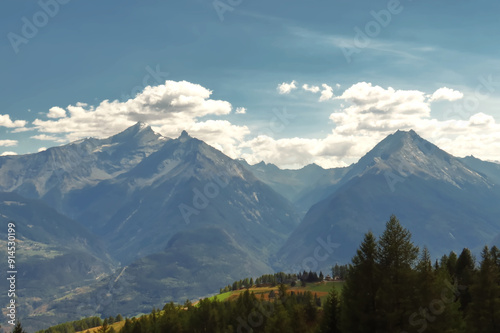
x: 484, y: 310
x: 464, y: 274
x: 437, y: 309
x: 18, y: 328
x: 359, y: 304
x: 397, y: 257
x: 330, y: 322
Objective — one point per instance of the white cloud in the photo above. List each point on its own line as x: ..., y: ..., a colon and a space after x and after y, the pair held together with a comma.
x: 241, y: 110
x: 326, y: 93
x: 446, y: 94
x: 56, y: 112
x: 294, y: 153
x: 367, y: 115
x: 5, y: 121
x: 8, y: 153
x: 173, y: 106
x: 8, y: 143
x: 286, y: 88
x: 313, y: 89
x: 42, y: 149
x: 374, y: 108
x: 220, y: 134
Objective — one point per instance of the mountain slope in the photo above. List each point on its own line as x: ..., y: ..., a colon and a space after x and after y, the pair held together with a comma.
x: 445, y: 204
x: 303, y: 187
x: 158, y: 205
x: 489, y: 169
x: 51, y: 174
x: 183, y: 220
x: 194, y: 264
x: 184, y: 185
x: 52, y: 251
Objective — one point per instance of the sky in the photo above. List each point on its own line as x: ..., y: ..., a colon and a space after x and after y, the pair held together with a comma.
x: 285, y: 82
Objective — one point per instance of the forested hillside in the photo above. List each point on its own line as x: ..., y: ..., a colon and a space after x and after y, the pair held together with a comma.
x: 391, y: 286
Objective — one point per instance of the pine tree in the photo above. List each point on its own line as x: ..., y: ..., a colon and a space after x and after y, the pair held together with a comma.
x: 484, y: 310
x: 359, y: 304
x: 397, y: 256
x: 451, y: 264
x: 464, y: 274
x: 330, y: 322
x: 437, y: 309
x: 105, y: 327
x: 18, y: 328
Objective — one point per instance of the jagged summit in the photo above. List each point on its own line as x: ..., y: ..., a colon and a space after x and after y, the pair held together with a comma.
x: 184, y: 136
x: 405, y: 153
x: 137, y: 131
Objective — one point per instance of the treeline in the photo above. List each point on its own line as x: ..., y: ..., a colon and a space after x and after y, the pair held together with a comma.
x: 289, y: 312
x: 264, y: 280
x: 391, y: 287
x: 273, y: 280
x: 81, y: 325
x: 340, y: 271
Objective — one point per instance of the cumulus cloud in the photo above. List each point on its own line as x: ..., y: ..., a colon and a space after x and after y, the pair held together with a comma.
x: 446, y: 94
x: 326, y: 93
x: 5, y: 121
x: 8, y: 153
x: 220, y: 134
x: 294, y: 153
x: 313, y: 89
x: 367, y: 114
x: 56, y: 112
x: 173, y: 107
x: 374, y: 108
x: 286, y: 88
x: 42, y: 149
x: 8, y: 143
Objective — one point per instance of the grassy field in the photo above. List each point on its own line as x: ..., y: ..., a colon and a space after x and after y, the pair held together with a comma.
x: 117, y: 326
x: 320, y: 288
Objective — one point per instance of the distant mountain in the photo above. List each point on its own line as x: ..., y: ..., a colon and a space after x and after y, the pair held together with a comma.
x: 51, y: 174
x: 489, y: 169
x: 303, y: 187
x: 183, y: 186
x: 174, y: 211
x: 180, y: 218
x: 52, y: 251
x: 446, y: 204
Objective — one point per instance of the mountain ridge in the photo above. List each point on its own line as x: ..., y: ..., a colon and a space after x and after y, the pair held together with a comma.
x: 438, y: 195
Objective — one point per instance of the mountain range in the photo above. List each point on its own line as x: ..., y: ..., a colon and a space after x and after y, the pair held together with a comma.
x: 136, y: 220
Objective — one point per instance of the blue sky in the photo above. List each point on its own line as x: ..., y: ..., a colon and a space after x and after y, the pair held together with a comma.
x: 381, y: 66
